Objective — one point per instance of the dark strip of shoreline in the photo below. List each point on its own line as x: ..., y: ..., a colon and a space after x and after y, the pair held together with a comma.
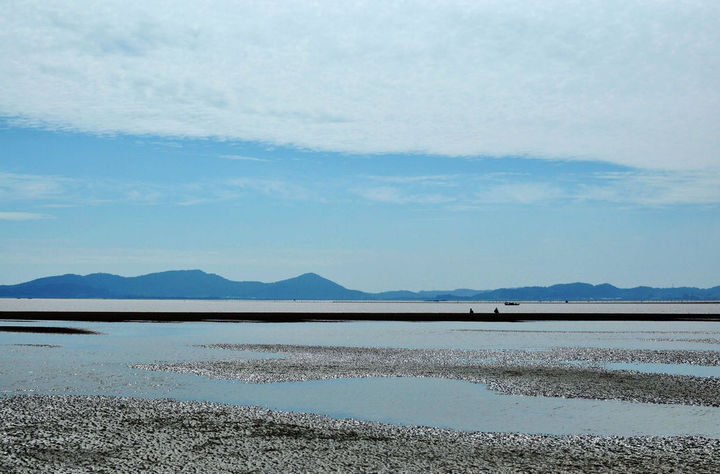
x: 277, y: 317
x: 45, y: 329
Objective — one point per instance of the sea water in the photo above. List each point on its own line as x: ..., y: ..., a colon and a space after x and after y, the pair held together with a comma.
x: 101, y: 365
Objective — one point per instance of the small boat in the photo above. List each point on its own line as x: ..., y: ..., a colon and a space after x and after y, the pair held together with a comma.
x: 511, y: 303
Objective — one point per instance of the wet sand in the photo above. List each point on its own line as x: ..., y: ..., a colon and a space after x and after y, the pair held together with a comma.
x: 94, y: 434
x: 515, y: 372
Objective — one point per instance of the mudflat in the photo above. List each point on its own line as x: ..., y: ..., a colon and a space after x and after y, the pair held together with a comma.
x: 516, y: 372
x: 92, y: 434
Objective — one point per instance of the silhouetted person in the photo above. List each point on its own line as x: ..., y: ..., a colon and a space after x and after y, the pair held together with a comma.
x: 471, y: 311
x: 496, y: 311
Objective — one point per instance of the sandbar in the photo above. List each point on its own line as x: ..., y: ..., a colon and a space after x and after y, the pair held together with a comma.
x: 517, y: 372
x: 46, y: 330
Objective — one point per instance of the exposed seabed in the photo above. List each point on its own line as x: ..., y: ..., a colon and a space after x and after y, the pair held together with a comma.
x: 93, y: 434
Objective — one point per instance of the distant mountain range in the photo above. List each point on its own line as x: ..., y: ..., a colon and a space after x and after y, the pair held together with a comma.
x: 196, y: 284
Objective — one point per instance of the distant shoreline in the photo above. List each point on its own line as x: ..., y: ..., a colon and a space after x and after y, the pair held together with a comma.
x: 282, y: 317
x: 368, y: 301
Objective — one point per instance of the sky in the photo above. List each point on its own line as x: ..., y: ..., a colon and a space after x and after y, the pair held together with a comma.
x: 381, y: 144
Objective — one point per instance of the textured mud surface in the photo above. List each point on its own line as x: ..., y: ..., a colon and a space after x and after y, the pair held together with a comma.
x: 508, y: 371
x: 99, y: 434
x: 709, y: 340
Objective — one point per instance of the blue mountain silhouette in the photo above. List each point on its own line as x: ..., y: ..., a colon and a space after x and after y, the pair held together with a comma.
x: 196, y: 284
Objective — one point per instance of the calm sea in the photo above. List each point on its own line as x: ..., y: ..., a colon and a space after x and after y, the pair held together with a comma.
x: 100, y: 365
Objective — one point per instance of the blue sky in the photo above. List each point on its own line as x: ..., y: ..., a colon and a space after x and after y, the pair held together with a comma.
x: 383, y: 145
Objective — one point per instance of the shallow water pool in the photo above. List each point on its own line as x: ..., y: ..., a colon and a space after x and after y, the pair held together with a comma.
x: 100, y: 365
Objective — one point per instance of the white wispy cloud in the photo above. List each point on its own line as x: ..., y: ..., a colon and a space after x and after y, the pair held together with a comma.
x: 628, y: 82
x: 435, y: 179
x: 23, y: 216
x: 648, y: 188
x: 654, y: 188
x: 242, y: 158
x: 275, y: 188
x: 396, y: 195
x: 16, y: 187
x: 633, y: 188
x: 62, y: 192
x: 643, y: 188
x: 520, y: 193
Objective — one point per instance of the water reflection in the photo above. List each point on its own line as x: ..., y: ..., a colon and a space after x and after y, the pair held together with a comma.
x: 99, y: 365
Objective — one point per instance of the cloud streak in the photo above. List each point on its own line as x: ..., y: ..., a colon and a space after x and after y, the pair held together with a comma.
x: 645, y: 189
x: 19, y: 187
x: 396, y: 195
x: 22, y: 216
x: 242, y: 158
x: 60, y: 191
x: 654, y: 189
x: 628, y: 82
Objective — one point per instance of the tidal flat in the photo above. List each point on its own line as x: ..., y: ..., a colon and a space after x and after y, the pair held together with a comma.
x: 96, y: 434
x: 360, y: 396
x: 518, y: 372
